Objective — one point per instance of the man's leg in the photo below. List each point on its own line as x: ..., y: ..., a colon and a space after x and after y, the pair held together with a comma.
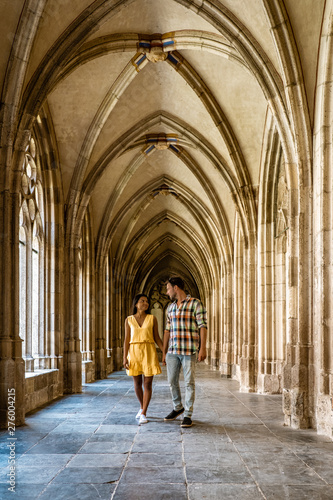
x: 173, y: 368
x: 189, y: 363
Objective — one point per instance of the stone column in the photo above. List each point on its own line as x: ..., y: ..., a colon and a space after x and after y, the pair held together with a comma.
x: 298, y: 349
x: 323, y: 232
x: 100, y: 347
x: 248, y: 357
x: 238, y: 303
x: 226, y: 326
x: 12, y: 368
x: 214, y: 322
x: 72, y: 348
x: 271, y: 271
x: 266, y: 380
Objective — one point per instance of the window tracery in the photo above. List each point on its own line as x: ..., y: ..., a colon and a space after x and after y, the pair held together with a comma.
x: 31, y: 241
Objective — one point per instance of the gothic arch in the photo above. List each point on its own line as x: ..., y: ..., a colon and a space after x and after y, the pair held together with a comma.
x: 323, y: 235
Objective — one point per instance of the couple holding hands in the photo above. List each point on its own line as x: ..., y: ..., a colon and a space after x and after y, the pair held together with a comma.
x: 185, y: 330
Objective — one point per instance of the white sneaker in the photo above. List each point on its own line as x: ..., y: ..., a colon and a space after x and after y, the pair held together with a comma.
x: 143, y: 419
x: 139, y: 413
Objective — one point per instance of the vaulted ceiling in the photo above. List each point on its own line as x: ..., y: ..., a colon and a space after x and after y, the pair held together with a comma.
x: 159, y: 109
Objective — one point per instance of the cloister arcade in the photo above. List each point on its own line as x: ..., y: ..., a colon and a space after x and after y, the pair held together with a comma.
x: 142, y: 139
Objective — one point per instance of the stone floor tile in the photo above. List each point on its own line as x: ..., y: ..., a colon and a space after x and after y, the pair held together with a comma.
x: 282, y: 473
x: 260, y: 447
x: 23, y: 491
x: 3, y: 460
x: 34, y: 475
x: 146, y: 475
x: 157, y: 437
x: 203, y: 434
x: 115, y: 428
x: 98, y: 460
x: 322, y: 464
x: 88, y: 475
x: 152, y: 447
x: 50, y: 415
x: 195, y: 459
x: 229, y: 475
x: 111, y: 438
x: 106, y: 447
x: 90, y: 445
x: 119, y: 419
x: 77, y: 491
x: 22, y: 445
x: 242, y: 420
x: 298, y: 492
x: 44, y: 460
x: 74, y: 428
x: 51, y: 445
x: 38, y: 426
x: 151, y: 492
x: 224, y: 491
x: 155, y: 459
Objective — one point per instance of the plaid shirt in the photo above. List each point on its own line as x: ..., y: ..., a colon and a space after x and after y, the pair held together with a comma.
x: 184, y: 324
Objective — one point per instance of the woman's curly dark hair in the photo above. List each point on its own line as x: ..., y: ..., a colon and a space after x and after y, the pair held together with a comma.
x: 136, y: 300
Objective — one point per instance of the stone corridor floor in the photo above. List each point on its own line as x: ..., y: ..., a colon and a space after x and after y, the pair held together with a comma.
x: 89, y: 446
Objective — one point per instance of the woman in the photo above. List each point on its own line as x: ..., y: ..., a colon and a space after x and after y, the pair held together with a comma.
x: 140, y: 356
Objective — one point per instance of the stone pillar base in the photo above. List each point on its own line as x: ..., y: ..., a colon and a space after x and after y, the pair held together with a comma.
x: 269, y: 384
x: 247, y: 379
x: 88, y: 372
x: 110, y: 364
x: 324, y: 415
x: 101, y: 363
x: 118, y: 358
x: 225, y: 370
x: 214, y: 363
x: 12, y: 381
x: 295, y: 412
x: 235, y: 372
x: 72, y: 372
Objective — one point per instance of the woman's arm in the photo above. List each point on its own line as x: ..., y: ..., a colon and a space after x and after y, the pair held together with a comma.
x: 126, y: 344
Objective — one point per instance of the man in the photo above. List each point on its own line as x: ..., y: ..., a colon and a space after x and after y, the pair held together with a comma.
x: 186, y: 324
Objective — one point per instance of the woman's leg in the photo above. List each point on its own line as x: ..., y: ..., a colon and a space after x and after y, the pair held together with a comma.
x: 148, y: 389
x: 137, y: 379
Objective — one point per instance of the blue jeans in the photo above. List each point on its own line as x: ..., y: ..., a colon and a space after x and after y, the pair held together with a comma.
x: 174, y: 363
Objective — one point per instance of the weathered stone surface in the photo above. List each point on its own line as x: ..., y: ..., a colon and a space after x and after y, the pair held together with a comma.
x: 137, y: 142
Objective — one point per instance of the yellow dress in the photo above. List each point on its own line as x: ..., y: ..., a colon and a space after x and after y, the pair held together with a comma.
x: 142, y: 355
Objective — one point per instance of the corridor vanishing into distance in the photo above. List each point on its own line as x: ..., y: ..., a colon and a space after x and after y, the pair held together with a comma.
x: 89, y: 446
x: 145, y: 139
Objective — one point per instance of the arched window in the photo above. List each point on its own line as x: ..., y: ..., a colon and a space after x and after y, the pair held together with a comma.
x: 31, y: 267
x: 107, y: 307
x: 81, y: 300
x: 23, y: 282
x: 157, y: 311
x: 85, y: 318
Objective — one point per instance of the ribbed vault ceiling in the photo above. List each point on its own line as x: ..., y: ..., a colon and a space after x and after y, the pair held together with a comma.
x: 161, y: 151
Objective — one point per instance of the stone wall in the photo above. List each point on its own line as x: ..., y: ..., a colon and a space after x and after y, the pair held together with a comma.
x: 42, y: 388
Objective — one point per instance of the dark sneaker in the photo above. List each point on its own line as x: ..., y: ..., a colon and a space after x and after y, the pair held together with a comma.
x: 187, y: 422
x: 174, y: 414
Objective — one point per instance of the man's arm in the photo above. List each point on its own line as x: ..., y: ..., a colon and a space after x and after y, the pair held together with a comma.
x: 203, y: 338
x: 201, y: 319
